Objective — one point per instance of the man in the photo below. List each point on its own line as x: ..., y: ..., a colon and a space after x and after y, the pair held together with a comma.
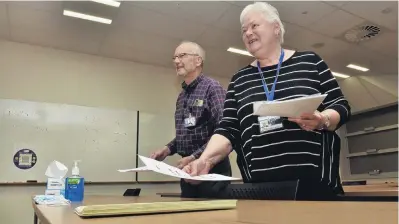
x: 199, y: 109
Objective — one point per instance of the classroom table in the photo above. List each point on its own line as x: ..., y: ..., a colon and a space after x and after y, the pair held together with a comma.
x: 247, y: 211
x: 372, y: 190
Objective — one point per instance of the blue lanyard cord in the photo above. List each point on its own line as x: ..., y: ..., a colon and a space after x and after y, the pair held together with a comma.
x: 270, y: 95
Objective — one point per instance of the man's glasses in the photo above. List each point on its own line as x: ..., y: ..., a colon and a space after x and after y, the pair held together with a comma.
x: 182, y: 55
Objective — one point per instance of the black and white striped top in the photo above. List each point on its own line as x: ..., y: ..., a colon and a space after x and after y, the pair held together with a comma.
x: 289, y: 153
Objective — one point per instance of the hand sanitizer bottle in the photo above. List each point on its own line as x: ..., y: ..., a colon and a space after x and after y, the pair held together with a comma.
x: 74, y: 185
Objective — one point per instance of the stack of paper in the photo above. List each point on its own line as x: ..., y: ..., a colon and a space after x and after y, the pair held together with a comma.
x: 163, y: 168
x: 139, y: 169
x: 289, y: 108
x: 153, y: 208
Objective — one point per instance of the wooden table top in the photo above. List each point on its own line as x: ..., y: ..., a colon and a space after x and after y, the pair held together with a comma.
x: 356, y: 190
x: 247, y: 211
x: 372, y: 190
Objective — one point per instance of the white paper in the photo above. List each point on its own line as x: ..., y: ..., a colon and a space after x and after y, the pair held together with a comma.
x: 56, y: 170
x: 139, y: 169
x: 163, y: 168
x: 289, y: 108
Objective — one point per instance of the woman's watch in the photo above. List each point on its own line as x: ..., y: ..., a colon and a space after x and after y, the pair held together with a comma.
x: 326, y: 121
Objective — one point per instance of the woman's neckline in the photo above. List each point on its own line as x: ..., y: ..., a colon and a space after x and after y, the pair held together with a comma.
x: 253, y: 64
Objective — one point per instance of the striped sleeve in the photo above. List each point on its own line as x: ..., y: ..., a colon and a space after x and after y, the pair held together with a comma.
x: 229, y: 124
x: 335, y: 99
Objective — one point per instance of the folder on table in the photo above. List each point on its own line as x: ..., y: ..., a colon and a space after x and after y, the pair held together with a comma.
x: 153, y: 208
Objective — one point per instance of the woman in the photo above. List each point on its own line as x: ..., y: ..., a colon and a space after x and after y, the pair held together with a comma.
x: 305, y: 147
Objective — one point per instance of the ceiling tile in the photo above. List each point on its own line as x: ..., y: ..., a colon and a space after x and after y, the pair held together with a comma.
x: 302, y: 13
x: 220, y: 39
x: 240, y: 3
x: 386, y: 43
x: 4, y: 29
x: 382, y: 96
x: 26, y: 17
x: 51, y: 6
x: 138, y: 19
x: 336, y: 23
x: 305, y: 39
x: 388, y: 83
x: 219, y: 59
x: 383, y: 65
x: 357, y: 95
x: 337, y: 4
x: 230, y: 19
x: 143, y: 41
x: 291, y: 29
x: 373, y: 11
x: 206, y: 12
x: 377, y: 63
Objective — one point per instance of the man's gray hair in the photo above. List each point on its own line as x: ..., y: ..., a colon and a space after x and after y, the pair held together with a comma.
x: 271, y: 14
x: 197, y: 49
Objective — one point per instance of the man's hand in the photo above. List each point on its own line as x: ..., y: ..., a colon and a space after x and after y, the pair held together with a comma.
x: 161, y: 154
x: 197, y: 167
x: 185, y: 161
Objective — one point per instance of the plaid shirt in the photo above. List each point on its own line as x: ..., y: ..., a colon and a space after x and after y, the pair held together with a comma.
x: 203, y: 99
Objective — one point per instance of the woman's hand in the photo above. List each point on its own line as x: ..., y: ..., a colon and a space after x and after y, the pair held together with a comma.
x: 197, y: 167
x: 310, y: 121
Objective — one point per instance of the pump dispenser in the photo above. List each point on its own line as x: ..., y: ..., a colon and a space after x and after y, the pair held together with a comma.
x: 74, y: 185
x: 75, y: 169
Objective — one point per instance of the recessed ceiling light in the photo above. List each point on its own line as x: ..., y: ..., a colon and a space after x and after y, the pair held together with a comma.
x: 108, y: 2
x: 239, y: 51
x: 357, y: 67
x: 340, y: 75
x: 87, y: 17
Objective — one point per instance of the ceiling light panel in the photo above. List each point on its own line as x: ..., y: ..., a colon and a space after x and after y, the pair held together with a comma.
x: 91, y: 8
x: 340, y: 75
x: 357, y: 67
x: 108, y: 2
x: 87, y: 17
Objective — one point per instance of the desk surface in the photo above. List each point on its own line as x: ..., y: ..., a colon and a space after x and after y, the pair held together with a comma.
x: 358, y: 190
x: 276, y: 212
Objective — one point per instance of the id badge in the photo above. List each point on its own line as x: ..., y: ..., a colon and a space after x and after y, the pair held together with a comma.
x: 270, y: 123
x: 190, y: 121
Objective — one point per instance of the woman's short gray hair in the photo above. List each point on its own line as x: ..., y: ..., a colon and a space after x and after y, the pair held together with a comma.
x: 271, y: 14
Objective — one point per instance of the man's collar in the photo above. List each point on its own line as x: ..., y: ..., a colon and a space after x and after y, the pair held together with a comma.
x: 194, y: 83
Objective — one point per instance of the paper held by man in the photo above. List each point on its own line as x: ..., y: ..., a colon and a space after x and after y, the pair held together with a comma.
x: 163, y: 168
x: 289, y: 108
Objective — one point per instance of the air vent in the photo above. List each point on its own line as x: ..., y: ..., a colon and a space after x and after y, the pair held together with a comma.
x: 362, y: 33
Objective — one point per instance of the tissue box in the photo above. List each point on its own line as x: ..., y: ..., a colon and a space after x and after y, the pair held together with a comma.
x: 55, y: 186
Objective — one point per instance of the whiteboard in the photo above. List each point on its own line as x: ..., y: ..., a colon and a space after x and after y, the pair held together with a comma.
x: 155, y: 131
x: 103, y: 139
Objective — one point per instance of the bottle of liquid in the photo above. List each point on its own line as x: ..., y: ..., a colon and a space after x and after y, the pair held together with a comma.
x: 74, y: 185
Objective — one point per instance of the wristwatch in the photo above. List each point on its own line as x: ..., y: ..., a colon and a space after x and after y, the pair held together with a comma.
x: 326, y: 121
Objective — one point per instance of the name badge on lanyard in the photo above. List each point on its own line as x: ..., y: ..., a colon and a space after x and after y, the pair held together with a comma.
x: 190, y: 121
x: 270, y: 123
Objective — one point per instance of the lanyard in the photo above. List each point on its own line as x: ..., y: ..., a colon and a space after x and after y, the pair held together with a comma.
x: 270, y: 95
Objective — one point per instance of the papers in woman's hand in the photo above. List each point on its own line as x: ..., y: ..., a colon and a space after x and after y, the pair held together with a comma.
x: 289, y: 108
x: 163, y: 168
x: 139, y: 169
